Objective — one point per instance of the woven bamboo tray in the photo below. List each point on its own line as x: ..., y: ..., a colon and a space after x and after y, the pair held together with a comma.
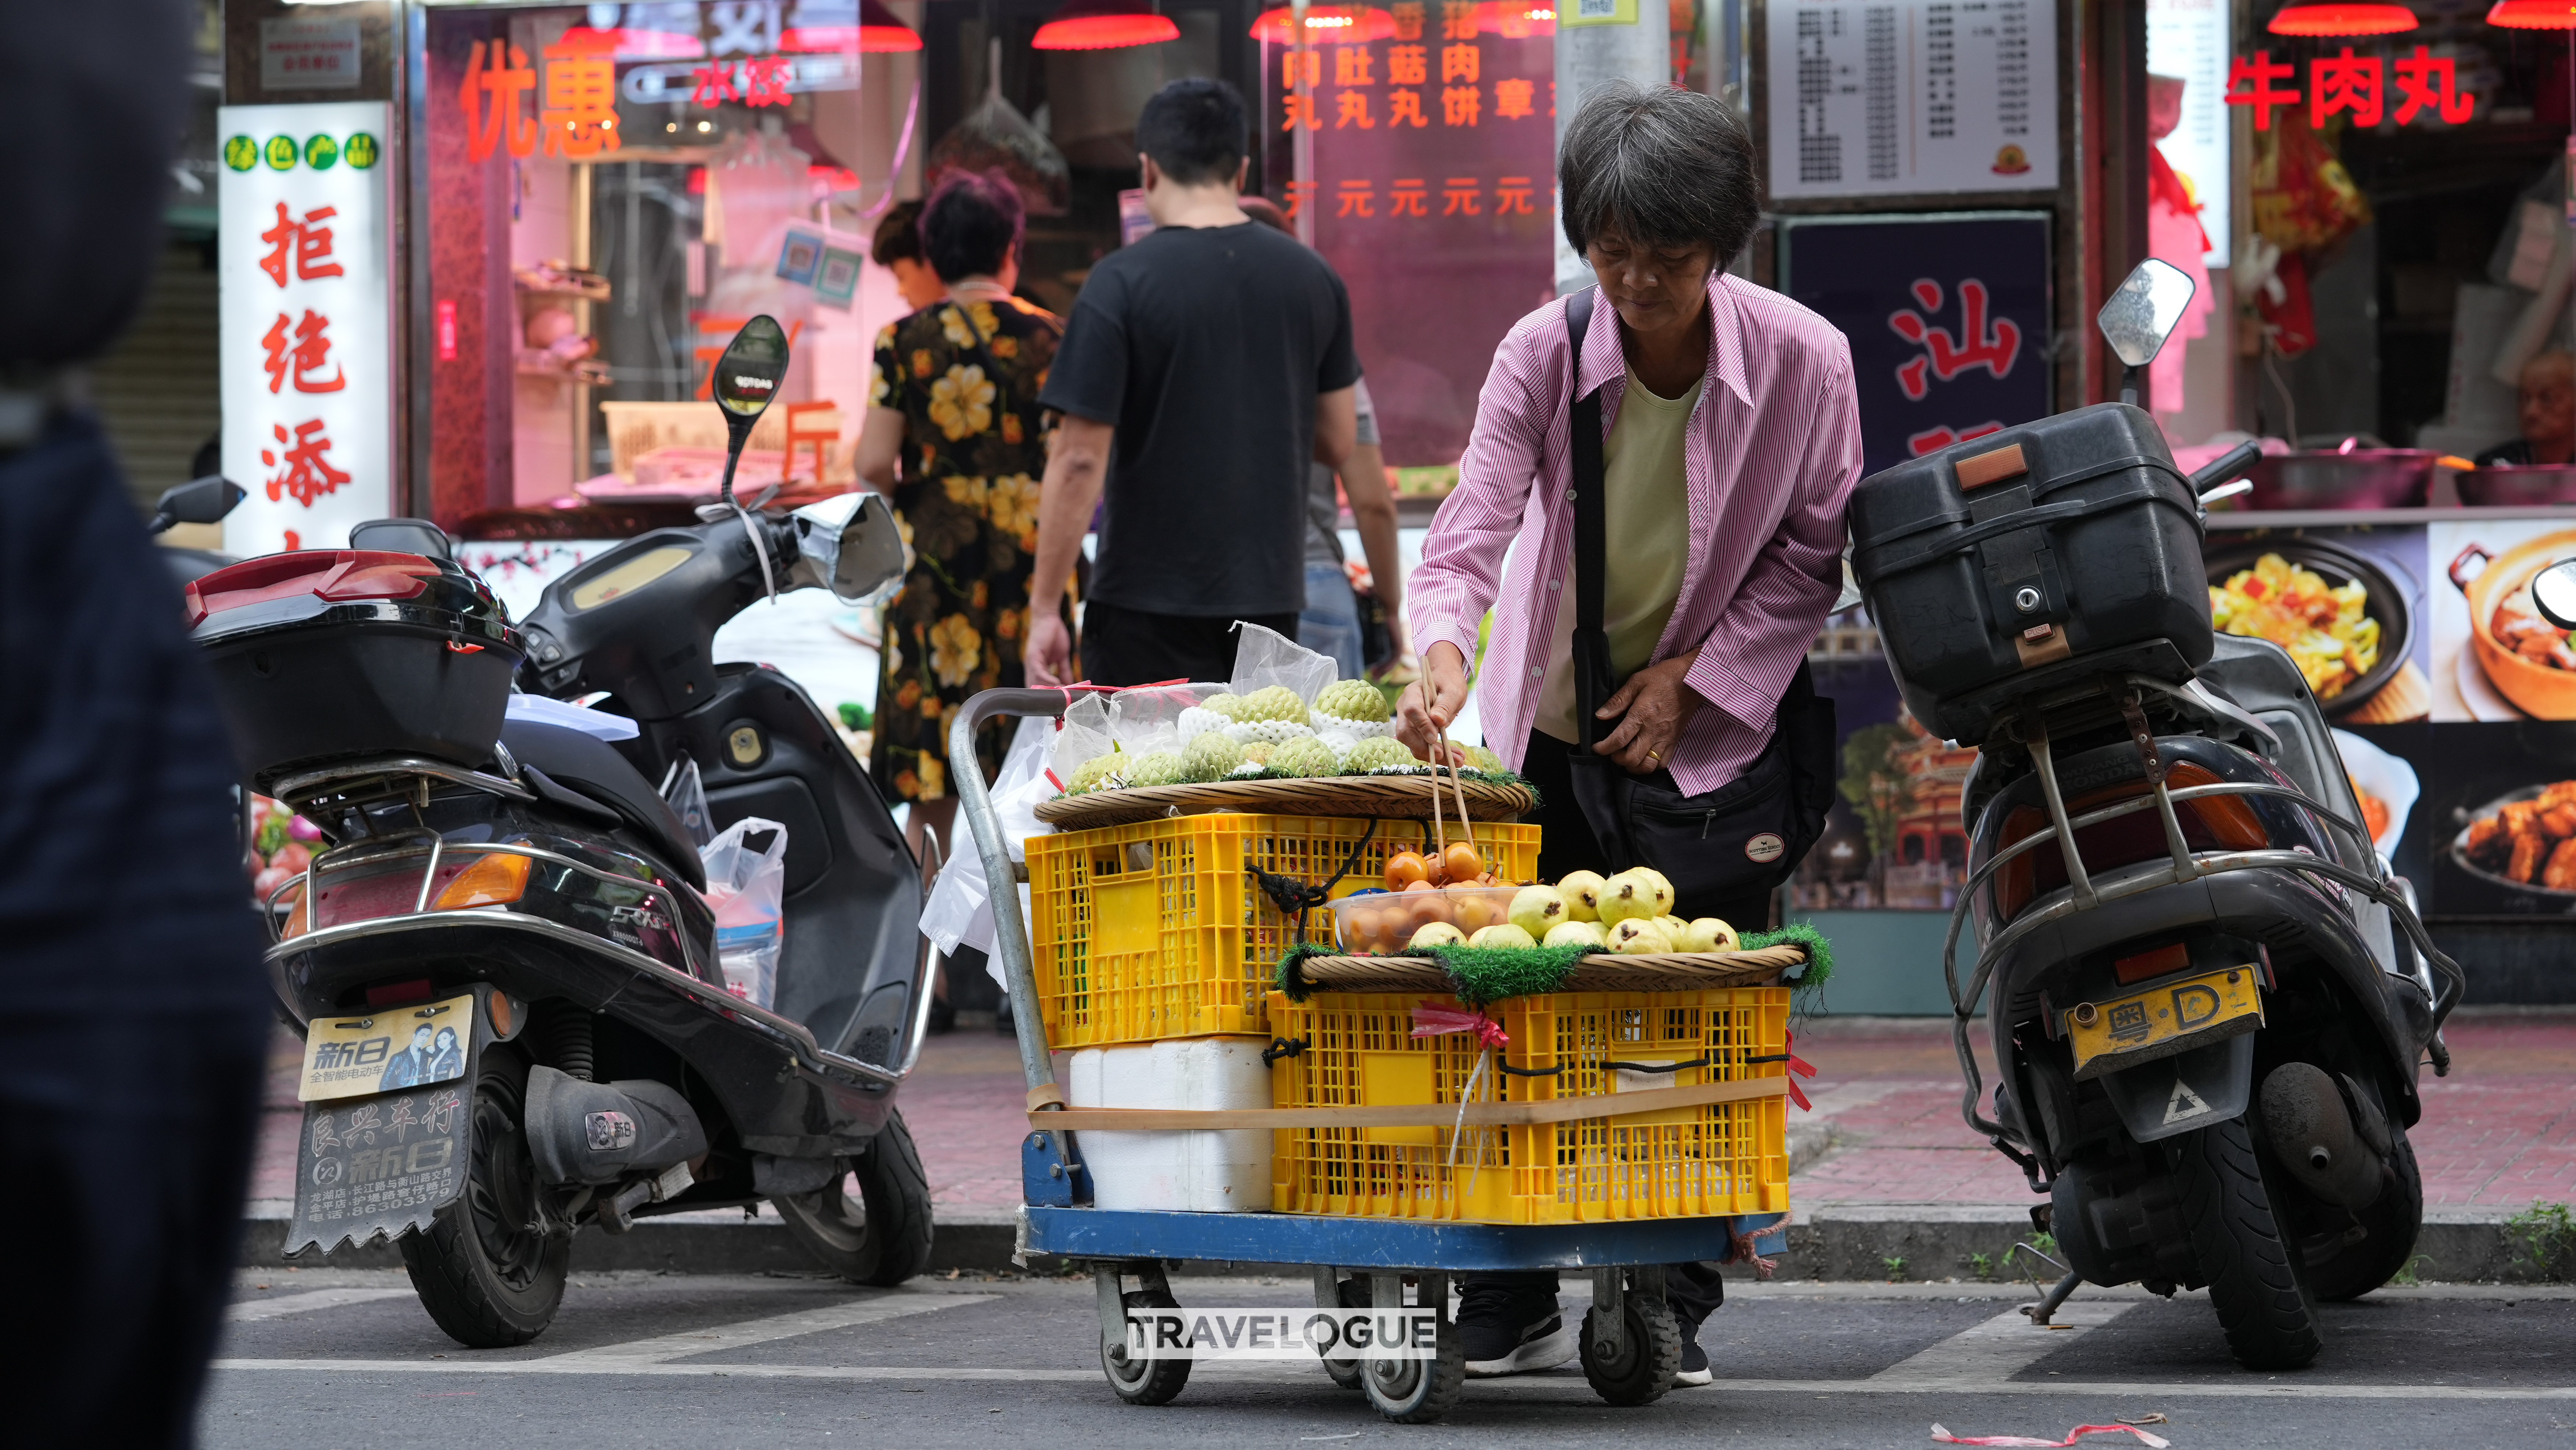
x: 1660, y: 972
x: 1401, y: 797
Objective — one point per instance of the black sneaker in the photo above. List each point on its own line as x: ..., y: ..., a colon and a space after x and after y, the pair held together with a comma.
x: 1511, y: 1329
x: 1694, y: 1370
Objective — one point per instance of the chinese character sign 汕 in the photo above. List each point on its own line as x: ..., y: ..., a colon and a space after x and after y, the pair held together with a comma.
x: 307, y: 327
x: 1948, y: 321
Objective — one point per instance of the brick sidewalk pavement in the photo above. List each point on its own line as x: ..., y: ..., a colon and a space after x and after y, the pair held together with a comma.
x: 2498, y: 1133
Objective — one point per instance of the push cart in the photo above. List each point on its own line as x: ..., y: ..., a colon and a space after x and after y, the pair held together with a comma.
x: 1630, y: 1341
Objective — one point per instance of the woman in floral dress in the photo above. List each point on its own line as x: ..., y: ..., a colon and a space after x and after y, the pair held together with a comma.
x: 955, y: 436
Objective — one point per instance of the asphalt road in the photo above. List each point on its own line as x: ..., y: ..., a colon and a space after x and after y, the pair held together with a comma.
x: 705, y: 1362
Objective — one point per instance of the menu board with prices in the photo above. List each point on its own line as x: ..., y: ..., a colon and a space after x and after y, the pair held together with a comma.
x: 1909, y: 97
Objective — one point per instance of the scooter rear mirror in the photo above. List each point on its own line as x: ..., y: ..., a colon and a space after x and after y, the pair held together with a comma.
x: 850, y: 544
x: 2139, y: 317
x: 198, y: 501
x: 746, y: 380
x: 2553, y: 590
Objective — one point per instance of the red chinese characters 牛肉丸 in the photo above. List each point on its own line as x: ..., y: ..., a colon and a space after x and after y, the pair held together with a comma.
x: 2349, y: 85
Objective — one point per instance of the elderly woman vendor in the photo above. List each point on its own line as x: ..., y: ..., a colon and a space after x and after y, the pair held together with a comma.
x: 1730, y: 442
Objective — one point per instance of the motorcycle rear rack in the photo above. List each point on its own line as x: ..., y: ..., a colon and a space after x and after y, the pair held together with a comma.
x: 2181, y: 864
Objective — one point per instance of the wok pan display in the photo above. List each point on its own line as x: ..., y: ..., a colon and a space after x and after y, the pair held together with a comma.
x: 2385, y: 598
x: 2364, y: 478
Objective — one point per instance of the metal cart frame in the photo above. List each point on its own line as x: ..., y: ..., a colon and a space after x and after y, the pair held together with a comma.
x: 1630, y: 1344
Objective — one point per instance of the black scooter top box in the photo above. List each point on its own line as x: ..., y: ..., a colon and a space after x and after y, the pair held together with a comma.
x: 324, y: 655
x: 2012, y: 561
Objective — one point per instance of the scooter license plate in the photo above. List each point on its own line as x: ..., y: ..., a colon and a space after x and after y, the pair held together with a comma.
x: 2172, y: 1018
x: 386, y: 1049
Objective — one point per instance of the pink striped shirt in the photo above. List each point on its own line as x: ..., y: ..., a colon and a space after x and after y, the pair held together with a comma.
x: 1771, y: 454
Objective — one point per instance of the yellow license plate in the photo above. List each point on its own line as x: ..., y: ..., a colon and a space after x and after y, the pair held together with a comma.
x: 2176, y: 1017
x: 381, y: 1051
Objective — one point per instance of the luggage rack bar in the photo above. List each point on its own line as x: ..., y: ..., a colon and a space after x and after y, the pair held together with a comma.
x: 2083, y: 893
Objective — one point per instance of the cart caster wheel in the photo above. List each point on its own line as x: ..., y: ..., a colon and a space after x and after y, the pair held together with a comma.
x: 1346, y: 1373
x: 1144, y: 1381
x: 1418, y: 1391
x: 1650, y: 1357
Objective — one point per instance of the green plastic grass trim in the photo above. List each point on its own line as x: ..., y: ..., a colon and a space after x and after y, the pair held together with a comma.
x: 1481, y: 976
x: 1820, y: 952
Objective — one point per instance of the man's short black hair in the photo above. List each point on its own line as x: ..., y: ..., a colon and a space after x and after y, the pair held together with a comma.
x: 1196, y: 129
x: 898, y: 235
x: 971, y: 225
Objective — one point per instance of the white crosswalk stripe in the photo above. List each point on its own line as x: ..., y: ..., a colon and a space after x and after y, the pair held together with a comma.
x: 253, y: 1311
x: 2002, y: 1346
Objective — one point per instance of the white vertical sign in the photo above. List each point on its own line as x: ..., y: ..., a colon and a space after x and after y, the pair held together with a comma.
x: 2187, y: 39
x: 307, y: 322
x: 1903, y: 97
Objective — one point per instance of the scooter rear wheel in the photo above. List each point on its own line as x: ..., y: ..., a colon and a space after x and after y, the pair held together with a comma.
x: 2256, y: 1280
x: 490, y: 1269
x: 871, y: 1224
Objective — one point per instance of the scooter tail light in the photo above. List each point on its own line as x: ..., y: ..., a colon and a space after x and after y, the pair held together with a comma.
x: 2211, y: 823
x: 496, y: 880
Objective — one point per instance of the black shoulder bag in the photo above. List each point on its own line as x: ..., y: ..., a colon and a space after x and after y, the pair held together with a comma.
x: 1746, y: 835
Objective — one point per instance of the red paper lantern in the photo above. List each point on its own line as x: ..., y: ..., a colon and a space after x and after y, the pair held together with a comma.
x: 1104, y: 25
x: 2342, y: 17
x: 2533, y: 15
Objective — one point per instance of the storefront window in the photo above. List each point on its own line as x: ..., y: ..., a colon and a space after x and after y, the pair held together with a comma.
x: 611, y: 191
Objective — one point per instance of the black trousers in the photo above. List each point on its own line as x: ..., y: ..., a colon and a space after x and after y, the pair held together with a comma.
x: 1567, y: 844
x: 134, y: 1019
x: 1136, y: 647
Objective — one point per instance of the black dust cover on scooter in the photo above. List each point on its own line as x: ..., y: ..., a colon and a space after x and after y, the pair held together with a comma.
x: 383, y: 1162
x: 2065, y: 547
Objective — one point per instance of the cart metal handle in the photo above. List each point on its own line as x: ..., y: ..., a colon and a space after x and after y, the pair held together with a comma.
x: 1010, y: 933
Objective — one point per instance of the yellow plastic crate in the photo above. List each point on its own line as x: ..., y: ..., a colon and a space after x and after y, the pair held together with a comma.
x: 1155, y: 930
x: 1722, y: 1158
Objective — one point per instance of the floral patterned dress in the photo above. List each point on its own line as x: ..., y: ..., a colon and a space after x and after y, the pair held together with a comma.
x: 966, y: 377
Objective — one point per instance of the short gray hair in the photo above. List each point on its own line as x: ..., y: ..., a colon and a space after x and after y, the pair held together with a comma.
x: 1661, y: 166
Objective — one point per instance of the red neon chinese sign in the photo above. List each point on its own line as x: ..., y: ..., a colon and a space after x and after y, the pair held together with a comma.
x: 2347, y: 84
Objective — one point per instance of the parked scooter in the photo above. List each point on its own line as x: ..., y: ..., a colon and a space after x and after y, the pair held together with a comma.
x: 502, y: 955
x: 2208, y: 994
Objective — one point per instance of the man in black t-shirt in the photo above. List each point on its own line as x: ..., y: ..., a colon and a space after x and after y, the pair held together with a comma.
x: 1202, y: 366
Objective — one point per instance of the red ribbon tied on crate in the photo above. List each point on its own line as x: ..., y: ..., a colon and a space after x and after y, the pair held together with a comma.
x: 1433, y: 1020
x: 1798, y: 1067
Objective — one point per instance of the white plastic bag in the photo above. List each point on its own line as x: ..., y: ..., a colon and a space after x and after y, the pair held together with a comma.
x: 686, y: 792
x: 1265, y: 657
x: 1158, y: 717
x: 960, y: 909
x: 1084, y: 738
x: 747, y: 885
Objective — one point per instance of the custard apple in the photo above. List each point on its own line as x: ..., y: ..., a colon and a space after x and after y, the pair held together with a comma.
x: 1101, y: 772
x: 1211, y: 756
x: 1352, y: 700
x: 1380, y: 753
x: 1156, y: 767
x: 1303, y: 756
x: 1276, y: 702
x: 1485, y: 760
x: 1228, y: 705
x: 1257, y: 752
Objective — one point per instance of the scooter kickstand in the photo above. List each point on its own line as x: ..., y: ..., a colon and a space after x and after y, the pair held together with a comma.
x: 2050, y: 1302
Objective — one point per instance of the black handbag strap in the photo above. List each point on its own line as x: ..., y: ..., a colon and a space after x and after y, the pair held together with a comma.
x: 1591, y: 660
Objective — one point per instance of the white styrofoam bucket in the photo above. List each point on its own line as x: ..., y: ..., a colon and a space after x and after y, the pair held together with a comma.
x: 1197, y: 1171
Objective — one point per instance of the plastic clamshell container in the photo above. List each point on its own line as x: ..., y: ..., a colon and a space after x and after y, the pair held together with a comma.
x: 1156, y: 930
x: 1216, y: 1171
x: 1721, y: 1158
x: 1380, y: 922
x: 2072, y: 540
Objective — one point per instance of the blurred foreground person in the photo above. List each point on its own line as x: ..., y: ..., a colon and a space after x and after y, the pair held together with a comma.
x: 132, y: 1014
